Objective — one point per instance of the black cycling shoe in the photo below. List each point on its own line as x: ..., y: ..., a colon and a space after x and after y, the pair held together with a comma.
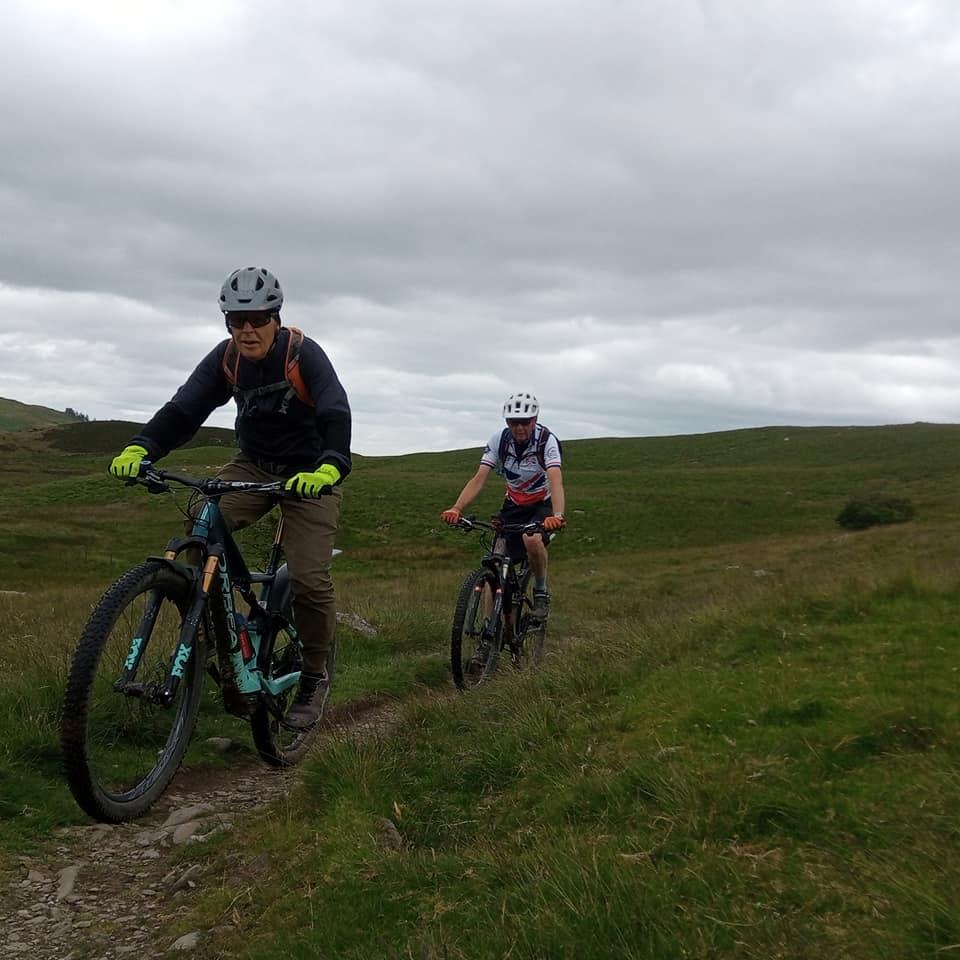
x: 480, y: 656
x: 541, y: 605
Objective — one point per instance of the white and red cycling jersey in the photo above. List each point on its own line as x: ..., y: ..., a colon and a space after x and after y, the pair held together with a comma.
x: 526, y: 480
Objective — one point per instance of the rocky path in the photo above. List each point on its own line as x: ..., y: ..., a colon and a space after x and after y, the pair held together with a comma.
x: 105, y: 892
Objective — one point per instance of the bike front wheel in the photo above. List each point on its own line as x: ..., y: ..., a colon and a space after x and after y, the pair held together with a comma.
x: 121, y: 748
x: 277, y: 745
x: 474, y: 642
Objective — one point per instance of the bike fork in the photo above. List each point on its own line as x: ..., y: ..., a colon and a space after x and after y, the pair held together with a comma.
x: 496, y: 611
x: 165, y: 693
x: 126, y: 682
x: 185, y: 648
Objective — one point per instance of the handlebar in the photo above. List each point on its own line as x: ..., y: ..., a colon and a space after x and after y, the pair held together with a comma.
x: 471, y: 523
x: 157, y: 481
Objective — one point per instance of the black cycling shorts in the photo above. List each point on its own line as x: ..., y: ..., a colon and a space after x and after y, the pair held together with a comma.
x: 515, y: 513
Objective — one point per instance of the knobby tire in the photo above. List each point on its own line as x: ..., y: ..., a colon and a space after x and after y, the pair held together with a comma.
x: 276, y: 745
x: 121, y: 752
x: 466, y: 634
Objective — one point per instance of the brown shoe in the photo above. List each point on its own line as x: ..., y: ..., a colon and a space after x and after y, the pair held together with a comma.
x: 308, y: 704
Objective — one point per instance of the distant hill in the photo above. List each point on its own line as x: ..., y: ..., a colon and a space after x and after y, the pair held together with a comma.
x: 96, y: 436
x: 107, y: 436
x: 26, y: 416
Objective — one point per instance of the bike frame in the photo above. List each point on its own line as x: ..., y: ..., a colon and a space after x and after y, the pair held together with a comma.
x: 223, y: 569
x: 509, y: 573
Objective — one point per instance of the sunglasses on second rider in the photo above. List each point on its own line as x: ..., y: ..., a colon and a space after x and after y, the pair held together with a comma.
x: 257, y: 319
x: 520, y: 422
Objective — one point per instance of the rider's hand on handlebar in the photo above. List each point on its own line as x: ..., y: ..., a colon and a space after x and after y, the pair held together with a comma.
x: 451, y: 516
x: 556, y: 522
x: 312, y: 484
x: 127, y: 463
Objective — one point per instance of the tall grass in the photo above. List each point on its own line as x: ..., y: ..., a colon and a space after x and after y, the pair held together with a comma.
x: 743, y: 742
x: 778, y: 783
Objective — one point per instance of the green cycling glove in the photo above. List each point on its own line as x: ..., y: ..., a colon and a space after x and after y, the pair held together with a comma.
x: 311, y: 484
x: 127, y: 464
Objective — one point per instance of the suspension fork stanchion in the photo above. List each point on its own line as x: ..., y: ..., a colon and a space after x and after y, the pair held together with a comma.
x: 496, y: 611
x: 138, y: 643
x: 188, y: 630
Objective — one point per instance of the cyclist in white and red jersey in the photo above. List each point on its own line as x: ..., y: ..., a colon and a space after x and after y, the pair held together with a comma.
x: 527, y: 455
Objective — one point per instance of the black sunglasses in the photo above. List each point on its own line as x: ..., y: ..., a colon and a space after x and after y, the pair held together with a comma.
x: 524, y: 422
x: 237, y: 321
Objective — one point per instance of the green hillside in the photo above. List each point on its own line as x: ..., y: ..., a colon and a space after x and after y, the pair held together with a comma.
x: 110, y: 436
x: 25, y: 416
x: 744, y: 741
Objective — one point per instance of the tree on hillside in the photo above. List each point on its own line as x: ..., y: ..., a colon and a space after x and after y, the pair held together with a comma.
x: 70, y: 412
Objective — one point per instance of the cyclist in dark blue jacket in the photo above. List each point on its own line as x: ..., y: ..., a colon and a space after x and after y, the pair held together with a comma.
x: 293, y: 423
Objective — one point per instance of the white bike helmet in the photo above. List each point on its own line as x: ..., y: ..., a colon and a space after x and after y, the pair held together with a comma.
x: 520, y: 405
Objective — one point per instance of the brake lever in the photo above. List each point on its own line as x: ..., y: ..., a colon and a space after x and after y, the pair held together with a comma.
x: 156, y: 486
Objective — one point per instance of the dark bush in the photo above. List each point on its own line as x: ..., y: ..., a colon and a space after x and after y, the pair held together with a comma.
x: 873, y: 509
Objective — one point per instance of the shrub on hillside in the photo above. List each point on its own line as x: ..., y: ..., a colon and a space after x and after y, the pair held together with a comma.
x: 873, y: 509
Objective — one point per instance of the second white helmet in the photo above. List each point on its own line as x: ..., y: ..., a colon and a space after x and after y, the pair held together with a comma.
x: 520, y: 405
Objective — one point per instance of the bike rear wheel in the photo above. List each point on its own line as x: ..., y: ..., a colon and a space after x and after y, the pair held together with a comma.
x: 277, y: 745
x: 530, y: 633
x: 120, y: 751
x: 473, y: 647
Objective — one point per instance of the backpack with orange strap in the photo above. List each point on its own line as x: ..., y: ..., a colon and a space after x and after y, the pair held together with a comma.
x: 293, y: 383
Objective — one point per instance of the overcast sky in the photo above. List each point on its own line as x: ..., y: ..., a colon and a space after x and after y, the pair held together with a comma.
x: 660, y: 216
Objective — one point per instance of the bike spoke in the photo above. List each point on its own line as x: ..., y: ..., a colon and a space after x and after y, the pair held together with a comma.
x: 121, y: 745
x: 474, y: 641
x: 277, y: 745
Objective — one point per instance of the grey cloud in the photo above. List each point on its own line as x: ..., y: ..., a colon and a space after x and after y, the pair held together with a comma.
x: 664, y: 213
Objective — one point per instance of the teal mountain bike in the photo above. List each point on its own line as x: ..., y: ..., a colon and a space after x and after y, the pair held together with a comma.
x: 137, y: 677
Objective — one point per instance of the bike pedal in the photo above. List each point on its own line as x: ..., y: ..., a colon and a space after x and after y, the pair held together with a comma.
x: 242, y: 705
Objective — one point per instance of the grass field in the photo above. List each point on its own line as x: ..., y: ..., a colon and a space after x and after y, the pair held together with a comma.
x: 744, y: 742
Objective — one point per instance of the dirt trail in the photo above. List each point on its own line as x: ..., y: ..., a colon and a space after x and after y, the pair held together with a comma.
x: 105, y: 892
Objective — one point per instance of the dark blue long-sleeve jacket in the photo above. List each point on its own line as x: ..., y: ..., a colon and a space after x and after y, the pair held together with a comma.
x: 274, y: 428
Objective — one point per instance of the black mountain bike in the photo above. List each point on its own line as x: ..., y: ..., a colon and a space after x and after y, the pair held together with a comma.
x: 494, y: 609
x: 136, y: 680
